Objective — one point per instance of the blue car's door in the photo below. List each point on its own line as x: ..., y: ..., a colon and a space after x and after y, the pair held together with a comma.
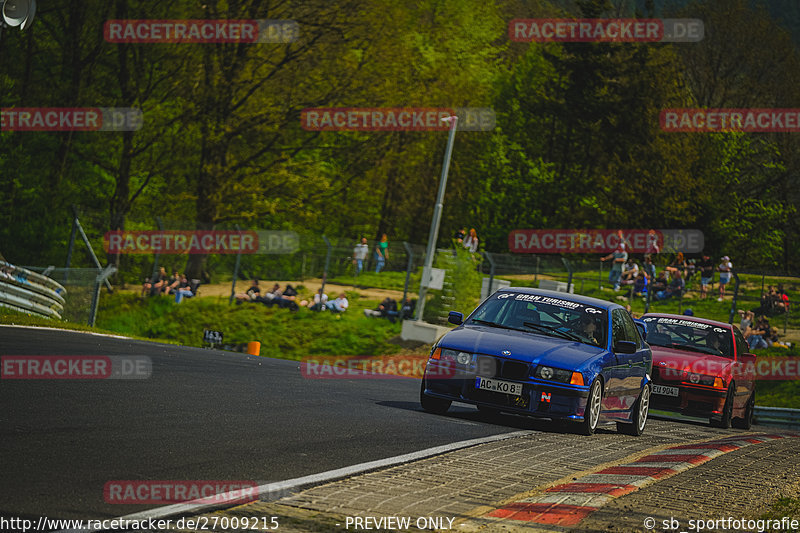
x: 615, y: 371
x: 638, y: 363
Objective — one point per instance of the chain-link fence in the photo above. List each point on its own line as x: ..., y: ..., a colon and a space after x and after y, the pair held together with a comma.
x: 83, y: 286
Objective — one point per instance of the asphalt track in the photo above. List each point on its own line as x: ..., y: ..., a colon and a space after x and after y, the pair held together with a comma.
x: 202, y: 415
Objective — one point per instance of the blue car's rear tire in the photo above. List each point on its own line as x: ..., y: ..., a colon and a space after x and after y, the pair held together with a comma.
x: 638, y: 415
x: 431, y: 404
x: 592, y: 413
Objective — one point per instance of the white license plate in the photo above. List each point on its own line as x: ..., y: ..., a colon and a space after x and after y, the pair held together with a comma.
x: 495, y: 385
x: 665, y: 391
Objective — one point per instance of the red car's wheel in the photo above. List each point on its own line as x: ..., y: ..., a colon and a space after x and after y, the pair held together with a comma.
x: 727, y: 411
x: 747, y: 421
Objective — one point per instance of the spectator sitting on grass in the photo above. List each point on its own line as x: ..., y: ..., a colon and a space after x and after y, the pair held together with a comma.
x: 629, y: 273
x: 640, y: 285
x: 339, y: 305
x: 253, y: 293
x: 386, y: 309
x: 782, y: 305
x: 183, y: 290
x: 649, y: 268
x: 173, y: 283
x: 407, y: 309
x: 756, y: 337
x: 661, y: 282
x: 318, y: 303
x: 154, y: 285
x: 675, y: 287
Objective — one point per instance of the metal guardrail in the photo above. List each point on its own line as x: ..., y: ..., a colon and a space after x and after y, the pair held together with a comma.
x: 29, y: 292
x: 777, y: 416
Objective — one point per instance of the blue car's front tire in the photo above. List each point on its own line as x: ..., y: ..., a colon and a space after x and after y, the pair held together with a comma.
x: 592, y: 413
x: 431, y: 404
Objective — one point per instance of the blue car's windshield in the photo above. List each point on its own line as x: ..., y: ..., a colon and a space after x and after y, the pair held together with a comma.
x: 543, y: 315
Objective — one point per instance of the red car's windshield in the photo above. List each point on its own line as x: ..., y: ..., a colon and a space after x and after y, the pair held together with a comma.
x: 689, y: 335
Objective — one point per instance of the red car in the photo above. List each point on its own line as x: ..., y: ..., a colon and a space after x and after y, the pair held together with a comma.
x: 701, y: 368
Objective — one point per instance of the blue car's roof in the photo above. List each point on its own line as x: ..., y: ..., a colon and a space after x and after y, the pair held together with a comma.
x: 585, y: 300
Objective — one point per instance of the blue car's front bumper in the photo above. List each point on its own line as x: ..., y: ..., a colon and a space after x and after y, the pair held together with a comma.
x: 538, y: 398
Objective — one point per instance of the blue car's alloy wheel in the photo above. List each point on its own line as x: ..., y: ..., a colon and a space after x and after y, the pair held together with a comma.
x: 638, y: 414
x: 592, y: 413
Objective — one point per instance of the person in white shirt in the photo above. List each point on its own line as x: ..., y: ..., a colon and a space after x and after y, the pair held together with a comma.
x: 471, y: 241
x: 359, y: 254
x: 339, y: 305
x: 319, y: 302
x: 725, y: 269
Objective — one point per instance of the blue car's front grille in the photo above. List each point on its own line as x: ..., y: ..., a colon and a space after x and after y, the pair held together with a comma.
x: 514, y: 370
x: 493, y: 367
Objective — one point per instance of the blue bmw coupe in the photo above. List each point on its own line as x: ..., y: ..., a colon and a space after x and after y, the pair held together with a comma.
x: 544, y: 354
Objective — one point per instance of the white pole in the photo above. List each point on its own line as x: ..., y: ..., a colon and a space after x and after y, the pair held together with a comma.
x: 437, y: 217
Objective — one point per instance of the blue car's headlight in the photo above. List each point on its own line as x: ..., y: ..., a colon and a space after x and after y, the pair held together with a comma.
x: 557, y: 374
x: 446, y: 354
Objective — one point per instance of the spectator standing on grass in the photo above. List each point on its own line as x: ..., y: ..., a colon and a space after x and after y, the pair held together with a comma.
x: 618, y: 257
x: 381, y: 253
x: 339, y: 305
x: 360, y: 254
x: 706, y: 274
x: 725, y: 269
x: 471, y: 241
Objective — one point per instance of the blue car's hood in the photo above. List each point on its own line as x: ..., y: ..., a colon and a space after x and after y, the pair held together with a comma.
x: 529, y: 347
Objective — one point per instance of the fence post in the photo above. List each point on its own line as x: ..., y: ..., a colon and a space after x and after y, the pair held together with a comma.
x: 735, y: 294
x: 568, y: 266
x: 236, y: 267
x: 488, y: 257
x: 71, y: 242
x: 156, y: 257
x: 536, y: 275
x: 600, y: 277
x: 409, y: 266
x: 98, y: 282
x: 649, y: 293
x: 91, y: 251
x: 325, y: 270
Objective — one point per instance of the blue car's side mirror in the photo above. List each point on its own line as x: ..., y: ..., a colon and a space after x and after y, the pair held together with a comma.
x: 641, y: 325
x: 624, y: 347
x: 455, y: 318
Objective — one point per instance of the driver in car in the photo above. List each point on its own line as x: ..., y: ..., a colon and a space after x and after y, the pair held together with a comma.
x: 588, y: 327
x: 713, y: 341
